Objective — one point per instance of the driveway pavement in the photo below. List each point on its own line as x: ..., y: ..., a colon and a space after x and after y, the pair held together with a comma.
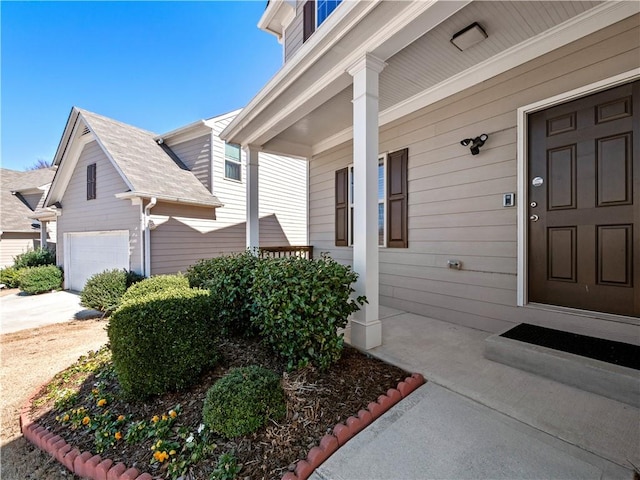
x: 19, y: 311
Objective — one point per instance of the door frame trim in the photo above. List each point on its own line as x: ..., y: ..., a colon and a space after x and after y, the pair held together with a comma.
x: 523, y: 161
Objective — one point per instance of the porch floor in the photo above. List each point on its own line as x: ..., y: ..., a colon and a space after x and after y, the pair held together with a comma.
x: 544, y: 420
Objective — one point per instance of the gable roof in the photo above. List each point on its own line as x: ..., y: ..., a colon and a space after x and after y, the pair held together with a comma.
x: 15, y: 213
x: 148, y: 168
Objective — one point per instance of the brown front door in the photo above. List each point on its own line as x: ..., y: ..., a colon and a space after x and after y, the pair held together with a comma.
x: 584, y: 203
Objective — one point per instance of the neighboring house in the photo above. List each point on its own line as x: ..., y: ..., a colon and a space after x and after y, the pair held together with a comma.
x: 541, y: 225
x: 22, y: 194
x: 128, y: 198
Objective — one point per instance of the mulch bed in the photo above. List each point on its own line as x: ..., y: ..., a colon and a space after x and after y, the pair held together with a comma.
x: 316, y: 401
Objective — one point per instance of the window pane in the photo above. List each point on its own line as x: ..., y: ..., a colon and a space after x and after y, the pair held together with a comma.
x: 351, y: 185
x: 381, y: 224
x: 325, y: 7
x: 232, y: 170
x: 232, y: 151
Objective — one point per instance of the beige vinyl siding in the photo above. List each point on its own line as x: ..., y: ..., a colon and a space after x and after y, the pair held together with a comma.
x: 13, y: 244
x: 196, y: 155
x: 103, y: 213
x: 293, y: 35
x: 185, y: 235
x: 455, y: 199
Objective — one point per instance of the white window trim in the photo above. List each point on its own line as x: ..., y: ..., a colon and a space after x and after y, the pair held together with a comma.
x: 227, y: 159
x: 381, y: 157
x: 522, y: 159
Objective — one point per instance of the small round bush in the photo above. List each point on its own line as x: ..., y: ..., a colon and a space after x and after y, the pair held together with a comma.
x: 162, y: 341
x: 36, y: 280
x: 243, y: 401
x: 10, y: 277
x: 103, y: 291
x: 35, y: 258
x: 229, y: 278
x: 154, y: 284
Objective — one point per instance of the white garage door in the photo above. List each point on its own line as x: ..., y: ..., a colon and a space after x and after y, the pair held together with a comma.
x: 88, y: 253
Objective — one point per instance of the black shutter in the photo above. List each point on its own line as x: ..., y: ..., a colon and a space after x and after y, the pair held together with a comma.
x: 309, y: 19
x: 91, y: 181
x: 397, y: 214
x: 342, y: 206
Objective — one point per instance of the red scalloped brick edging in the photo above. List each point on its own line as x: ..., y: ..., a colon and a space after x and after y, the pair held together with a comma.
x: 94, y: 467
x: 83, y: 464
x: 343, y: 432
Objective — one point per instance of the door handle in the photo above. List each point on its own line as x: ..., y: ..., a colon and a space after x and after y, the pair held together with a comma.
x: 534, y: 218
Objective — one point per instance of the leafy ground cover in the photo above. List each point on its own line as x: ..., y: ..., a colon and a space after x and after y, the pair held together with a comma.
x: 165, y: 435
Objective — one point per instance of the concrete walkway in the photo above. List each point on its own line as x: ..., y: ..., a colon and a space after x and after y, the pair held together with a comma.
x: 19, y: 311
x: 481, y: 419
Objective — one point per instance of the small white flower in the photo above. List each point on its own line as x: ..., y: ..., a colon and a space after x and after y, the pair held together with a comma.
x: 200, y: 427
x: 190, y: 438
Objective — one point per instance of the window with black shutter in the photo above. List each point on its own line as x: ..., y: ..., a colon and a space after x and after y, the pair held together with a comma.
x: 91, y: 181
x: 397, y: 231
x: 342, y: 205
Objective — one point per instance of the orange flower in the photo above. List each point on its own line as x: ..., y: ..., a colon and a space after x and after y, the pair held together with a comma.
x: 94, y: 391
x: 164, y: 418
x: 155, y: 419
x: 65, y: 418
x: 120, y: 418
x: 102, y: 402
x: 86, y: 420
x: 161, y: 456
x: 173, y: 414
x: 118, y: 435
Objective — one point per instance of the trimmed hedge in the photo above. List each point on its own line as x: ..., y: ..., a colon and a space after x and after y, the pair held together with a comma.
x: 10, y: 276
x: 243, y: 401
x: 299, y: 306
x: 103, y: 291
x: 229, y: 279
x: 34, y: 258
x: 36, y: 280
x: 162, y: 341
x: 154, y: 284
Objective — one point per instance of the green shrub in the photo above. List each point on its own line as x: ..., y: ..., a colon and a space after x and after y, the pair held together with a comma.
x: 154, y: 284
x: 229, y: 279
x: 36, y: 280
x: 243, y: 401
x: 162, y: 341
x: 103, y: 291
x: 34, y: 258
x: 10, y: 276
x: 300, y: 305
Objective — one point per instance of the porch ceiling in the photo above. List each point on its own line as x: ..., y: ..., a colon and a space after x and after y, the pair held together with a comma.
x: 432, y: 59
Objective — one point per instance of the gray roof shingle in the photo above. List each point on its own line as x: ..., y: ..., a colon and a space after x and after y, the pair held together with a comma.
x: 148, y: 167
x: 14, y: 213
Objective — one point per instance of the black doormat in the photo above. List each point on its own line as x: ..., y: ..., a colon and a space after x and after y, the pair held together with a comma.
x: 618, y: 353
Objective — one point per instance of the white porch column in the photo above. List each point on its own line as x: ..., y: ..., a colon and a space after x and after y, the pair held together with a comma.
x: 366, y: 329
x: 253, y: 219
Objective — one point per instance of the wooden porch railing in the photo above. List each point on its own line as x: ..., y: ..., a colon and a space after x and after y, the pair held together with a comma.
x: 304, y: 251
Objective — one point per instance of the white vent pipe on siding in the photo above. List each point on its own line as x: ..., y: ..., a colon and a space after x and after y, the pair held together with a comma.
x: 147, y: 237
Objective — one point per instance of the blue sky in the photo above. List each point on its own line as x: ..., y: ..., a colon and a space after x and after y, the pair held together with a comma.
x: 155, y: 65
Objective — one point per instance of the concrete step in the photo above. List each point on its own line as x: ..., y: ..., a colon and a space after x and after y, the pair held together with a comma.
x: 606, y: 379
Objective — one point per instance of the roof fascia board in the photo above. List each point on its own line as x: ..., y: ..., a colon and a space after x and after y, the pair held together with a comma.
x: 182, y: 134
x: 434, y: 12
x: 573, y: 29
x: 280, y: 13
x: 66, y: 135
x: 67, y: 165
x: 168, y: 199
